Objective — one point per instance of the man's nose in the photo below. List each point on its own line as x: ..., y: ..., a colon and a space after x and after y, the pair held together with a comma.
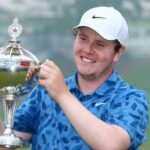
x: 88, y: 48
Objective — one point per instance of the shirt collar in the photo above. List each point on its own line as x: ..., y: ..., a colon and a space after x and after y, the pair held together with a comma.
x: 72, y: 82
x: 110, y: 84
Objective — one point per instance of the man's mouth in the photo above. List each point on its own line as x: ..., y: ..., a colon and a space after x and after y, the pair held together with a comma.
x: 87, y: 60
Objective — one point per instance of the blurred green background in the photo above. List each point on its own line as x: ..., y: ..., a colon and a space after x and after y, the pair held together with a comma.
x: 48, y: 34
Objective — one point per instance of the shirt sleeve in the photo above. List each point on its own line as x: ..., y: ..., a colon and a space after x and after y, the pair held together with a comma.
x: 130, y: 111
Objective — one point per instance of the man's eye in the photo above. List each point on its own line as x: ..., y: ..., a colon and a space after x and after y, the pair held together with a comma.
x: 99, y: 44
x: 82, y: 38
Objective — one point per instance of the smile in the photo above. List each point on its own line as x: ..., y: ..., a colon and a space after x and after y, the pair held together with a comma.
x: 87, y: 60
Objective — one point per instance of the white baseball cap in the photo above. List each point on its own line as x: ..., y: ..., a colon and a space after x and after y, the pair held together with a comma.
x: 107, y: 22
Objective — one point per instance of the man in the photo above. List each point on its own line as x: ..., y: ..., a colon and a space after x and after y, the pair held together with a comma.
x: 94, y: 108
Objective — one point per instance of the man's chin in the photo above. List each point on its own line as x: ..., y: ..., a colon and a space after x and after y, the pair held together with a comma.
x: 86, y: 76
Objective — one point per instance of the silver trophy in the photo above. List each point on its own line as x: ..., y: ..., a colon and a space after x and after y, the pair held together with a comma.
x: 14, y: 64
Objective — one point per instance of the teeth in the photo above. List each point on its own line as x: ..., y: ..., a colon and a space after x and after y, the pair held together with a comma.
x: 87, y: 60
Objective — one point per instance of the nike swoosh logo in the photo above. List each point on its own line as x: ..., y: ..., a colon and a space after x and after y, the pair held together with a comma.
x: 98, y: 104
x: 95, y: 17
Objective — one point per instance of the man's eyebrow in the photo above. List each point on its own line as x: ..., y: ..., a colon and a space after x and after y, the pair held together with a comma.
x: 102, y: 41
x: 81, y: 33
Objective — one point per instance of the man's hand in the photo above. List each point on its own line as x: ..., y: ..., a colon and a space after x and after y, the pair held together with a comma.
x: 52, y: 79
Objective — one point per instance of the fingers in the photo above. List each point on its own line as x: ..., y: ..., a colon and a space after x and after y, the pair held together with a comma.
x: 44, y: 70
x: 47, y: 70
x: 51, y: 64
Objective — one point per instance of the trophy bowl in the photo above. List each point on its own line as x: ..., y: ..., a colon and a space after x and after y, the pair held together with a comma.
x: 14, y: 64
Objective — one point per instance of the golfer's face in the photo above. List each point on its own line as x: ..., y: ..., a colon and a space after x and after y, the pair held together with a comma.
x: 94, y: 56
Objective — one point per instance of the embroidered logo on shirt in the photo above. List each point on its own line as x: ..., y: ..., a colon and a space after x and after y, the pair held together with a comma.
x: 99, y: 103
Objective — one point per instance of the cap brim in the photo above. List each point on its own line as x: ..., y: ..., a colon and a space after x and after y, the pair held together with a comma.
x: 100, y: 32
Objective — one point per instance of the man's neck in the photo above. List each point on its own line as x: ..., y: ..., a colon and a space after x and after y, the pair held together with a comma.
x: 90, y: 85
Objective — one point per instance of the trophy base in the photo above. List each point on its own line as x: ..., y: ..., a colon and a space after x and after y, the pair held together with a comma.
x: 10, y: 141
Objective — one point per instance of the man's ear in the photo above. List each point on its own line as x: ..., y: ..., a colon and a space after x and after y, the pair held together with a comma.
x: 119, y: 53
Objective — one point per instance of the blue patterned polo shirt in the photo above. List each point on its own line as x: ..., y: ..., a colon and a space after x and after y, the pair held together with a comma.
x: 114, y: 102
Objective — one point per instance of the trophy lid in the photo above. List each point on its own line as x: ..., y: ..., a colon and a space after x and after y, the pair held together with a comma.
x: 14, y: 59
